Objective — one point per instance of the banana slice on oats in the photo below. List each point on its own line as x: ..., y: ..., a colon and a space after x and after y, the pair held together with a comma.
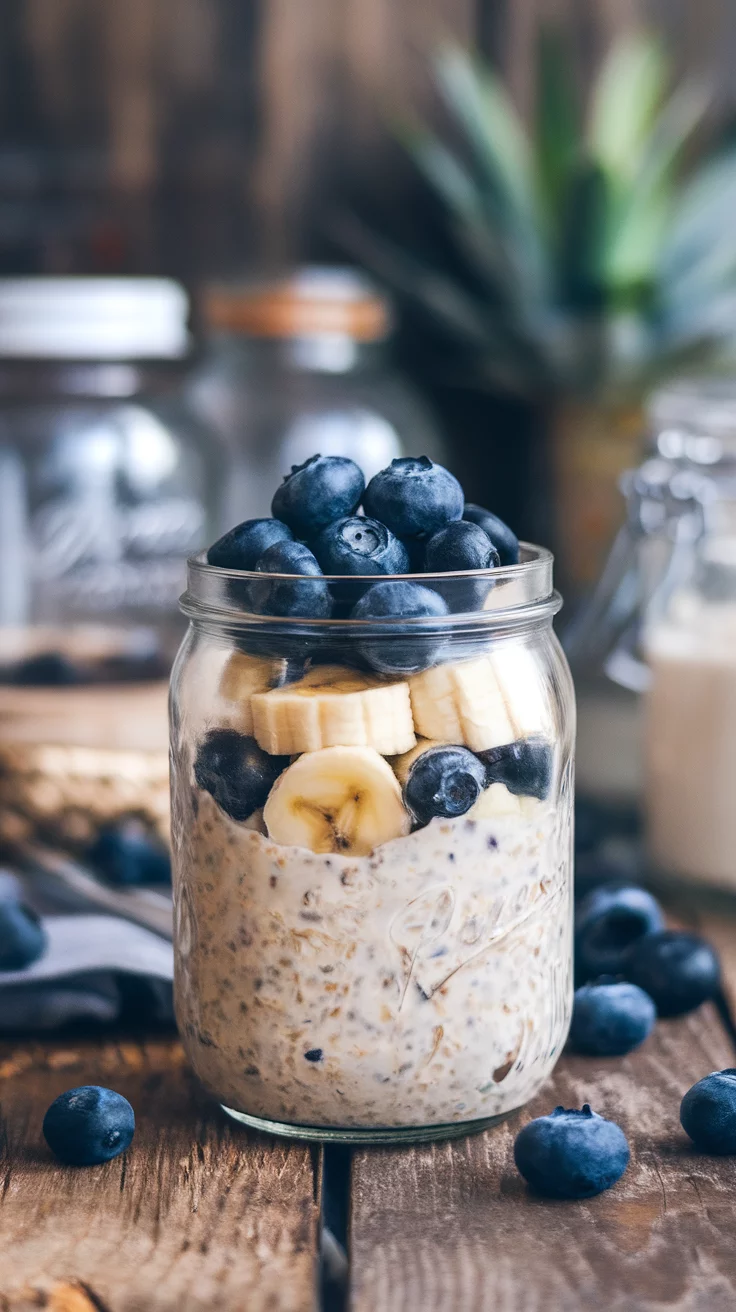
x: 338, y: 799
x: 334, y: 706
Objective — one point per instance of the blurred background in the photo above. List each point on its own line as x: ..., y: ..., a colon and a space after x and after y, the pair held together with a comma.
x: 232, y: 234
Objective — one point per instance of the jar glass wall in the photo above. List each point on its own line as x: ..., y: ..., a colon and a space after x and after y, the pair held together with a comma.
x: 371, y: 829
x: 354, y: 958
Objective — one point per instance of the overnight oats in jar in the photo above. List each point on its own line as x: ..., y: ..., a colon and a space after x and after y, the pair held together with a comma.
x: 372, y: 780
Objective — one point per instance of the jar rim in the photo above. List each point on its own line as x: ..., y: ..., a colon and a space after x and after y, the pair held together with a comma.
x: 520, y: 595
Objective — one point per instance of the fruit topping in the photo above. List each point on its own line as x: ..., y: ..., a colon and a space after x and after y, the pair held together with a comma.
x: 571, y: 1154
x: 307, y: 596
x: 609, y: 921
x: 610, y: 1017
x: 88, y: 1125
x: 324, y: 488
x: 708, y: 1112
x: 340, y: 799
x: 414, y: 496
x: 459, y: 546
x: 334, y: 706
x: 677, y: 969
x: 357, y: 545
x: 412, y: 649
x: 244, y: 544
x: 525, y: 767
x: 501, y: 536
x: 443, y: 781
x: 235, y: 771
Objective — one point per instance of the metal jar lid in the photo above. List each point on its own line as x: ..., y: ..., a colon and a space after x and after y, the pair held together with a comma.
x: 93, y: 319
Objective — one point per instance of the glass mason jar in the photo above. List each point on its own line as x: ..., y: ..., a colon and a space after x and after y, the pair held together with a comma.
x: 108, y: 482
x: 661, y: 630
x: 362, y: 953
x: 301, y: 363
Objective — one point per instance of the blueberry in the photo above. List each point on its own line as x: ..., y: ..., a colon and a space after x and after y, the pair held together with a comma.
x: 305, y: 595
x: 314, y: 1054
x: 22, y: 936
x: 459, y: 546
x: 571, y: 1154
x: 356, y: 545
x: 402, y: 652
x: 242, y: 546
x: 236, y: 772
x: 88, y: 1125
x: 49, y: 669
x: 525, y: 767
x: 313, y: 494
x: 608, y: 922
x: 677, y: 969
x: 443, y: 781
x: 610, y: 1017
x: 708, y: 1112
x: 502, y: 537
x: 125, y: 853
x: 414, y: 496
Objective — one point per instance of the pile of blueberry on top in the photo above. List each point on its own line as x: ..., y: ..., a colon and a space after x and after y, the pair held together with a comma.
x: 630, y: 969
x: 415, y: 521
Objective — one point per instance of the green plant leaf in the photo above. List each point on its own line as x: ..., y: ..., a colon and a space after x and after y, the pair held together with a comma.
x: 627, y: 94
x: 484, y: 112
x: 557, y: 126
x: 639, y: 216
x: 702, y: 235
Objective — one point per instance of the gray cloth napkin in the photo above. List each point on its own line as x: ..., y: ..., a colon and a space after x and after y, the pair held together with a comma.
x: 96, y: 965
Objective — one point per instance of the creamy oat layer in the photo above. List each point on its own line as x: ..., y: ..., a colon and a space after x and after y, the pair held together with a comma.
x: 428, y: 983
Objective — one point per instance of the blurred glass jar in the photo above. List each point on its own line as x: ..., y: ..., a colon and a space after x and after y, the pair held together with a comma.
x: 107, y: 483
x: 298, y: 364
x: 662, y: 625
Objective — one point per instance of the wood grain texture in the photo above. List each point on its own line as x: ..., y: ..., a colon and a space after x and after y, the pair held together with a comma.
x: 454, y: 1226
x: 198, y: 1214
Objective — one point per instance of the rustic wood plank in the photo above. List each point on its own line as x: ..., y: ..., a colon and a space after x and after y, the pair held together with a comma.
x: 453, y: 1225
x: 198, y: 1214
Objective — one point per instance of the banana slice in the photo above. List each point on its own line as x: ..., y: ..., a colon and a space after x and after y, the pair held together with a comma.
x: 333, y: 706
x: 338, y: 799
x: 243, y: 676
x: 522, y: 686
x: 494, y: 801
x: 462, y: 703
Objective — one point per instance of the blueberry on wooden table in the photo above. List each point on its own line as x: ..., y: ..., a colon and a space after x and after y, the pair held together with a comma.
x: 23, y: 938
x: 324, y: 488
x: 571, y: 1154
x: 414, y: 496
x: 677, y: 969
x: 609, y: 921
x: 708, y: 1112
x: 88, y: 1125
x: 610, y: 1018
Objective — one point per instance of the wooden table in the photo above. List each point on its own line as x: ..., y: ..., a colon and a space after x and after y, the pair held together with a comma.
x: 200, y: 1214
